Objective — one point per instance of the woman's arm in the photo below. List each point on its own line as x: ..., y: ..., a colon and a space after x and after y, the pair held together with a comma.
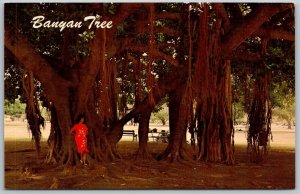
x: 72, y: 131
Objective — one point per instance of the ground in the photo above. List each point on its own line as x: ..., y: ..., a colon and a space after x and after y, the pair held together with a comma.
x: 23, y: 170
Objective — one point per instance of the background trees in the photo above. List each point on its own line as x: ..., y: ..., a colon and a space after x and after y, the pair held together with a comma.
x: 191, y: 53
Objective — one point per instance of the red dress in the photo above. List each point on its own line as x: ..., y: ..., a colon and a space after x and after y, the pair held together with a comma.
x: 80, y: 137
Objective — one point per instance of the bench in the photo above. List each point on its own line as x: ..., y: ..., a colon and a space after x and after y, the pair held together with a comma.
x: 130, y: 133
x: 162, y: 136
x: 153, y: 135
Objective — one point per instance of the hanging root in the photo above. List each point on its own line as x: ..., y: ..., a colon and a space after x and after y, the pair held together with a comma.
x: 259, y: 120
x: 53, y: 140
x: 33, y: 113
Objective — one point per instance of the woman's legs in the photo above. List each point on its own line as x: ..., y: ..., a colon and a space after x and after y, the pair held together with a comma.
x: 84, y: 157
x: 81, y: 157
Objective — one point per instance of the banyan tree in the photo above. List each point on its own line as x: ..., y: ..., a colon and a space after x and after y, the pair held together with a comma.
x: 154, y: 50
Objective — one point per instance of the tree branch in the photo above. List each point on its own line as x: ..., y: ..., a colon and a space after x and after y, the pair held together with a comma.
x: 23, y: 51
x: 275, y: 34
x: 251, y: 24
x: 245, y: 56
x: 167, y: 15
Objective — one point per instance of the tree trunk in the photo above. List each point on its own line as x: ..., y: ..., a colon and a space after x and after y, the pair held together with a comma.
x: 178, y: 110
x: 215, y: 130
x: 142, y: 152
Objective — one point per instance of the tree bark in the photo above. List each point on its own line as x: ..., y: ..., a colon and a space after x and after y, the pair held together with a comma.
x: 178, y: 112
x: 143, y: 131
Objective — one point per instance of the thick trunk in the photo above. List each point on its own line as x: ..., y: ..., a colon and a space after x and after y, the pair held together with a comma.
x: 215, y: 130
x: 178, y: 111
x: 214, y: 100
x: 174, y: 102
x: 113, y: 91
x: 67, y: 153
x: 88, y: 72
x: 70, y: 102
x: 142, y: 152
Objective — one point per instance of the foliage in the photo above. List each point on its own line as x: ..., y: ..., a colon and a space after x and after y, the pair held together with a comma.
x: 14, y: 108
x: 12, y: 81
x: 238, y: 113
x: 280, y: 60
x: 161, y: 115
x: 284, y: 101
x: 81, y: 46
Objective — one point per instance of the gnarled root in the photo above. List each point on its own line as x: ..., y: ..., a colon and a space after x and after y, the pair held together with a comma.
x: 142, y: 154
x: 177, y: 156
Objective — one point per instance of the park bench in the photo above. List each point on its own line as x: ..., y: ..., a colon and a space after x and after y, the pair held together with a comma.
x: 163, y: 136
x: 130, y: 133
x: 159, y: 136
x: 153, y: 135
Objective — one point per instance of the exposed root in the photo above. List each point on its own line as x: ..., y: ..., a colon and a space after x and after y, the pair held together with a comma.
x: 69, y: 158
x: 51, y: 158
x: 165, y: 154
x: 183, y: 156
x: 97, y: 155
x: 115, y: 152
x: 142, y: 154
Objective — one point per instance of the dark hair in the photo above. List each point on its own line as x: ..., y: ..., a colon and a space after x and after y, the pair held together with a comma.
x: 80, y: 117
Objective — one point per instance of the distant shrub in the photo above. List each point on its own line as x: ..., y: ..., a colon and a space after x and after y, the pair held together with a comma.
x: 14, y: 109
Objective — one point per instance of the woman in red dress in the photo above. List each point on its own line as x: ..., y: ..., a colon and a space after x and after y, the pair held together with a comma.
x: 80, y: 130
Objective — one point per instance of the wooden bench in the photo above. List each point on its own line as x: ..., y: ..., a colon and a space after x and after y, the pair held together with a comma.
x: 130, y: 133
